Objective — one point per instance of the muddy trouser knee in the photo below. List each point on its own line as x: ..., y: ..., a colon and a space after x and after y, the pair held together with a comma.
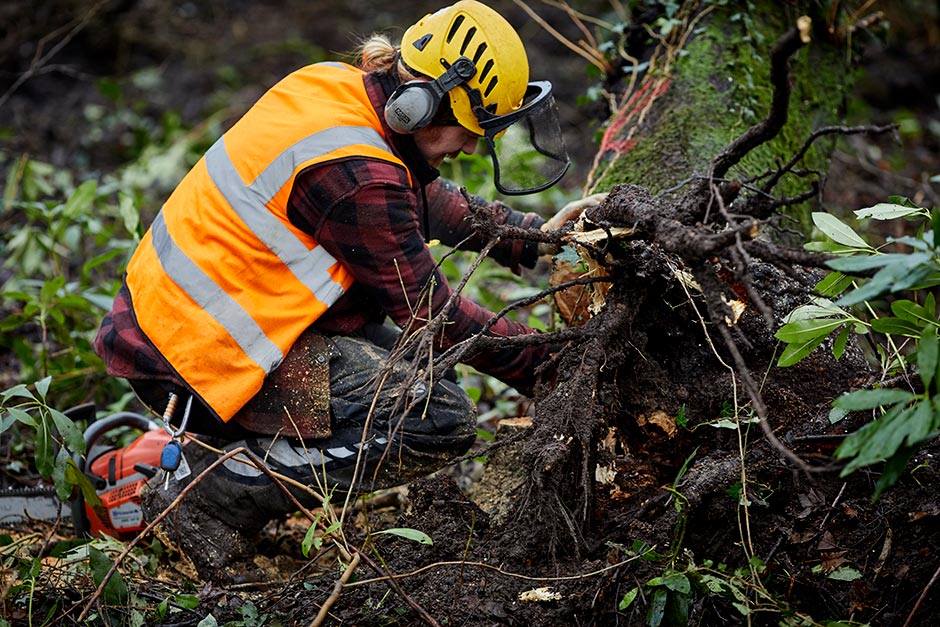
x: 397, y: 435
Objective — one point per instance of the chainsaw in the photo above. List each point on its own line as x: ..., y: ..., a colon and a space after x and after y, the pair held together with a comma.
x: 118, y: 475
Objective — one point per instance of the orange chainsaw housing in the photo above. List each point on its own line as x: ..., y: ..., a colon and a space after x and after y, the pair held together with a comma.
x: 119, y: 483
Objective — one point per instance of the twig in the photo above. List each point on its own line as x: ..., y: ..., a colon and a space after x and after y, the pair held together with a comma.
x: 39, y: 61
x: 820, y: 132
x: 769, y: 127
x: 593, y: 57
x: 130, y: 545
x: 179, y: 498
x: 337, y: 589
x: 923, y: 594
x: 485, y: 566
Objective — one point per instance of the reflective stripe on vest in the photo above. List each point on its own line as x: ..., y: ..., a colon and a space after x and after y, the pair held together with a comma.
x: 223, y: 284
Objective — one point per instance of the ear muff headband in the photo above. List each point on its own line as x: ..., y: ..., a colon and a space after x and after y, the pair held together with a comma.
x: 413, y: 104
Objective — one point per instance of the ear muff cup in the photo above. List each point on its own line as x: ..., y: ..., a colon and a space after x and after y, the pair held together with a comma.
x: 411, y: 106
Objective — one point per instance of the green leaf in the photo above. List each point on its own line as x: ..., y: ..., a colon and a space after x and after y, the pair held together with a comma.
x: 909, y: 310
x: 654, y: 618
x: 893, y: 470
x: 50, y: 288
x: 927, y: 353
x: 819, y: 308
x: 80, y: 200
x: 677, y: 582
x: 71, y: 434
x: 896, y: 326
x: 887, y: 211
x: 408, y: 534
x: 885, y: 437
x: 310, y: 538
x: 838, y: 230
x: 42, y: 387
x: 838, y: 347
x: 63, y: 488
x: 807, y: 329
x: 162, y: 608
x: 794, y: 353
x: 115, y: 591
x: 129, y: 214
x: 22, y: 416
x: 836, y: 414
x: 834, y: 284
x: 835, y: 249
x: 864, y: 263
x: 76, y: 477
x: 42, y: 450
x: 845, y: 573
x: 19, y: 390
x: 187, y: 601
x: 869, y: 399
x: 628, y: 599
x: 898, y: 274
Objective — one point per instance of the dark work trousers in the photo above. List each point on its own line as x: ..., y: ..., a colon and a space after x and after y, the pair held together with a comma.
x: 381, y: 437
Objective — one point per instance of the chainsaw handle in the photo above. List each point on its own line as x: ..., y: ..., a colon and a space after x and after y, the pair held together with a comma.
x: 93, y: 433
x: 121, y: 419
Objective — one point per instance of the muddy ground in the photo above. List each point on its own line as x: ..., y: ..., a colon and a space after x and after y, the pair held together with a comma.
x: 600, y: 492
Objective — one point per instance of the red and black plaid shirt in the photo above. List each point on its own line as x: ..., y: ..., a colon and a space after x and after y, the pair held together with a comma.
x: 365, y: 214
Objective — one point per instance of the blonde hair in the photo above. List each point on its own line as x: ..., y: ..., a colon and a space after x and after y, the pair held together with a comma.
x: 377, y: 54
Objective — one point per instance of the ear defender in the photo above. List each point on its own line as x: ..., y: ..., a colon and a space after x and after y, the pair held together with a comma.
x: 413, y: 104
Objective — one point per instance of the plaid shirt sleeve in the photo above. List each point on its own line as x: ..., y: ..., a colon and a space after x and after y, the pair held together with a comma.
x: 363, y: 212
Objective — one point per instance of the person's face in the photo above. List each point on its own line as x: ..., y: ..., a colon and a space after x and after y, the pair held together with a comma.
x: 438, y: 142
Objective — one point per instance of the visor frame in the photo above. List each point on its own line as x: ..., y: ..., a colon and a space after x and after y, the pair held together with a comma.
x: 538, y: 94
x: 492, y: 125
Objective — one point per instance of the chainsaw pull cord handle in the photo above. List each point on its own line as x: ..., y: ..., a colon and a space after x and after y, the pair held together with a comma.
x: 172, y: 455
x: 170, y: 410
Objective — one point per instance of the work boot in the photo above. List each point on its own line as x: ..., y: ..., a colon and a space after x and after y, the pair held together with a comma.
x: 205, y: 533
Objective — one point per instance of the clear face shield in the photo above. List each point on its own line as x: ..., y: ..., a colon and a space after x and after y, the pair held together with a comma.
x: 526, y: 145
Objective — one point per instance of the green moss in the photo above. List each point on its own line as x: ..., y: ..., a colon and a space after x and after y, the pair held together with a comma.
x: 721, y: 87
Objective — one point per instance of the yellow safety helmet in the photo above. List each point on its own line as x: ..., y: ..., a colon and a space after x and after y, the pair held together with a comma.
x: 473, y: 30
x: 475, y: 58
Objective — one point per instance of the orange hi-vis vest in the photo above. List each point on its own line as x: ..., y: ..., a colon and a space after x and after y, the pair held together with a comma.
x: 222, y: 283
